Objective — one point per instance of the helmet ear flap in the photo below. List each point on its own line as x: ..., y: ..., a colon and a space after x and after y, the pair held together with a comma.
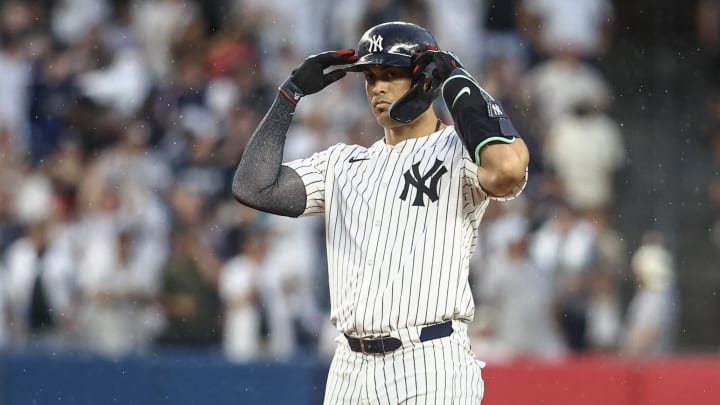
x: 424, y: 90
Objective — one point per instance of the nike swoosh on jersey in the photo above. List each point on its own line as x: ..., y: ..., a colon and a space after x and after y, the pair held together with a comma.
x: 357, y: 159
x: 464, y: 90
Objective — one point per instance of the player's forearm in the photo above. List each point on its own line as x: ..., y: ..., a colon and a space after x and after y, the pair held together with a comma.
x: 503, y: 167
x: 261, y: 181
x: 487, y: 133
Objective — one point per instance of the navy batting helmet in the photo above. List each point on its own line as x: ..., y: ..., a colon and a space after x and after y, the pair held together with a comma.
x: 397, y: 44
x: 392, y: 44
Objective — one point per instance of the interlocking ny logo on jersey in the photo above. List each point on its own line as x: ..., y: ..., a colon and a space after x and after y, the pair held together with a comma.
x: 417, y: 180
x: 376, y: 44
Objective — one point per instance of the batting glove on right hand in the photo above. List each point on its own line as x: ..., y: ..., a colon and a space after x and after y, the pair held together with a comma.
x: 478, y: 118
x: 310, y: 76
x: 430, y: 69
x: 445, y: 63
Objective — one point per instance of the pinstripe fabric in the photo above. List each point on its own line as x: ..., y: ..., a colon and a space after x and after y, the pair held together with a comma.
x: 391, y: 264
x: 442, y: 371
x: 401, y: 224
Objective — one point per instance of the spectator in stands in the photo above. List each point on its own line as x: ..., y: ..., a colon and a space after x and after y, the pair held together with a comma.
x: 521, y: 296
x: 199, y: 167
x: 70, y: 20
x: 582, y: 27
x: 239, y: 290
x: 563, y: 248
x: 40, y: 270
x: 299, y: 23
x: 17, y: 29
x: 159, y: 24
x: 585, y: 149
x: 501, y: 38
x: 189, y: 293
x: 294, y: 317
x: 119, y: 314
x: 10, y: 228
x: 652, y: 317
x: 555, y: 87
x: 604, y: 312
x: 604, y: 316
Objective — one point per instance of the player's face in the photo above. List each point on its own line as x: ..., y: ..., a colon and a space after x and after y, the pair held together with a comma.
x: 383, y: 86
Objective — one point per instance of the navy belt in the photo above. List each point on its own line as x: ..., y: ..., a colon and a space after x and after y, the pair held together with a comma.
x: 388, y: 344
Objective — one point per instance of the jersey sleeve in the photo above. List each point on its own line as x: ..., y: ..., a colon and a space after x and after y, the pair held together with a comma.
x: 312, y: 171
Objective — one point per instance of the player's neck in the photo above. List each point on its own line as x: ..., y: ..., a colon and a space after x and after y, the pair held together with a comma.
x: 424, y: 125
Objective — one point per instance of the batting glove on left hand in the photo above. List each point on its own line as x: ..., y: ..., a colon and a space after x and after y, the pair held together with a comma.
x: 310, y: 76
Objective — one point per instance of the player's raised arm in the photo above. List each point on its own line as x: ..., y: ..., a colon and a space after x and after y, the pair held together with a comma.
x: 261, y: 181
x: 488, y: 134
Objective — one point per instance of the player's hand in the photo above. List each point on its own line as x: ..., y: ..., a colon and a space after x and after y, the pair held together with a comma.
x: 310, y: 76
x: 445, y: 63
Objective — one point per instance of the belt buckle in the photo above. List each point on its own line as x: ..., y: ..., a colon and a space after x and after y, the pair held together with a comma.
x: 364, y: 350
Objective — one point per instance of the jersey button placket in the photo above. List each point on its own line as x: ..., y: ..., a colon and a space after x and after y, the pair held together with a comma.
x: 370, y: 252
x: 376, y: 231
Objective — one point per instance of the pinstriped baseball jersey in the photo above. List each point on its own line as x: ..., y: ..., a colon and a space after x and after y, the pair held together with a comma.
x: 401, y: 225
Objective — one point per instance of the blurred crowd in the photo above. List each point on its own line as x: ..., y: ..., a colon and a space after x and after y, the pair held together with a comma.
x: 708, y: 29
x: 121, y: 123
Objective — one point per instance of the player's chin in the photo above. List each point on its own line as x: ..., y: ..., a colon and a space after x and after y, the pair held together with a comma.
x: 383, y: 118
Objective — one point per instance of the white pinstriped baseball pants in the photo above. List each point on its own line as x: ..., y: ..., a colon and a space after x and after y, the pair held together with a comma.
x: 440, y: 371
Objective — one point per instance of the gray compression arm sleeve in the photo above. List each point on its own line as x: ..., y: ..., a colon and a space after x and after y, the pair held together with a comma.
x: 260, y: 181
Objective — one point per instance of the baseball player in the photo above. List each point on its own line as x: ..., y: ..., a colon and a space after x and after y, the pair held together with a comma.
x: 401, y: 217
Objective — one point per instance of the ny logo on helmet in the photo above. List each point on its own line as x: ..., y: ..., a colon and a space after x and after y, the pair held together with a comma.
x: 375, y: 44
